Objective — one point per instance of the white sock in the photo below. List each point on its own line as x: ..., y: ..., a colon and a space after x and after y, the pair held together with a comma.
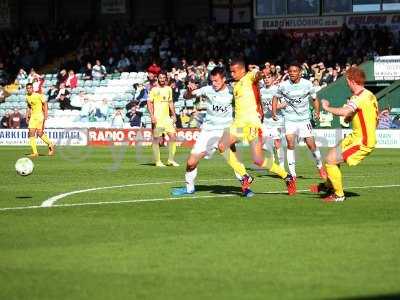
x: 190, y: 177
x: 291, y: 160
x: 280, y: 153
x: 317, y: 158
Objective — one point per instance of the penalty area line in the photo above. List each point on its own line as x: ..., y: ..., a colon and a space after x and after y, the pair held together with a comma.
x: 176, y: 198
x: 51, y: 201
x: 118, y: 202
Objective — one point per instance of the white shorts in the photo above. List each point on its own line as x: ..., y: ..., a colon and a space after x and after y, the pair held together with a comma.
x: 272, y: 132
x: 302, y: 129
x: 207, y: 142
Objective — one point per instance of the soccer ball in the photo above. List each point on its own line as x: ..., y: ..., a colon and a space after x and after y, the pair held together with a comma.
x: 24, y: 166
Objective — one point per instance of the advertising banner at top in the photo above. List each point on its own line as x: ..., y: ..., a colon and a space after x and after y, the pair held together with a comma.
x: 328, y: 23
x: 387, y: 67
x: 308, y: 22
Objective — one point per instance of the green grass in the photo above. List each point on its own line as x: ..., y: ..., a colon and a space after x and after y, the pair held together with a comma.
x: 269, y: 247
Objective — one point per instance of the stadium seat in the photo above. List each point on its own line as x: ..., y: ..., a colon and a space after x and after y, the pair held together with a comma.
x: 88, y: 83
x: 189, y: 103
x: 96, y: 83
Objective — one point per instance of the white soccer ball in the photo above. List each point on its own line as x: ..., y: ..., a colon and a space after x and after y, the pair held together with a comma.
x: 24, y: 166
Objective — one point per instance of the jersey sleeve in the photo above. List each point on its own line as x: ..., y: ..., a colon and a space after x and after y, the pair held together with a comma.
x: 354, y: 102
x: 312, y: 91
x: 199, y: 92
x: 278, y: 92
x: 43, y: 98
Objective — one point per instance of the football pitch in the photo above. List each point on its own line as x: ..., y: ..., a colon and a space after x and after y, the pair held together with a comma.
x: 113, y: 231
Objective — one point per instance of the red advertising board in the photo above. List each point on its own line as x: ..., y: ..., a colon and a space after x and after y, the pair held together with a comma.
x: 142, y: 136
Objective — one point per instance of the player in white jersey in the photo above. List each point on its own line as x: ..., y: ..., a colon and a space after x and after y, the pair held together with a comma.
x: 219, y: 117
x: 297, y: 92
x: 273, y: 130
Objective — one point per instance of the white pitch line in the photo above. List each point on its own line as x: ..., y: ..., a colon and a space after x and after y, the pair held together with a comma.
x: 176, y: 198
x: 50, y: 202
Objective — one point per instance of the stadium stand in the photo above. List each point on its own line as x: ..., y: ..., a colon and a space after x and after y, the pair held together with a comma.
x: 325, y: 58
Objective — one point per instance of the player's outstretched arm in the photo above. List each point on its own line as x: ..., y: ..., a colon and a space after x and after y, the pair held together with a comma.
x: 45, y: 110
x: 346, y: 111
x: 28, y: 113
x: 150, y: 107
x: 172, y: 110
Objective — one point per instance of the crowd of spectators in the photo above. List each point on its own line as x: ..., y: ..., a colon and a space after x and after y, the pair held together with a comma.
x: 189, y: 52
x: 387, y: 120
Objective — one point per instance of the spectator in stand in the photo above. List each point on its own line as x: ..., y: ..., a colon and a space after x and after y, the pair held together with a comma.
x: 63, y: 97
x: 72, y: 80
x: 22, y: 77
x: 37, y: 84
x: 123, y: 64
x: 319, y: 70
x: 385, y: 120
x: 111, y: 63
x: 32, y: 75
x: 99, y: 71
x: 396, y: 122
x: 326, y: 77
x: 135, y: 115
x: 141, y: 94
x: 117, y: 120
x: 52, y: 93
x: 316, y: 85
x: 78, y: 100
x: 305, y: 71
x: 62, y: 77
x: 154, y: 68
x: 335, y: 75
x: 87, y: 110
x: 15, y: 119
x: 102, y: 110
x: 176, y: 86
x: 5, y: 120
x: 87, y: 73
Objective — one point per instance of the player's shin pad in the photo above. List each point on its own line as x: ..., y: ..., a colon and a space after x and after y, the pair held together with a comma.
x: 235, y: 164
x: 32, y: 142
x: 46, y: 139
x: 335, y: 177
x: 274, y: 168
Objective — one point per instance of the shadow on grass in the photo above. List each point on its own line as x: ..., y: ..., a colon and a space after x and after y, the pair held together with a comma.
x: 276, y: 176
x: 219, y: 189
x: 347, y: 194
x: 23, y: 197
